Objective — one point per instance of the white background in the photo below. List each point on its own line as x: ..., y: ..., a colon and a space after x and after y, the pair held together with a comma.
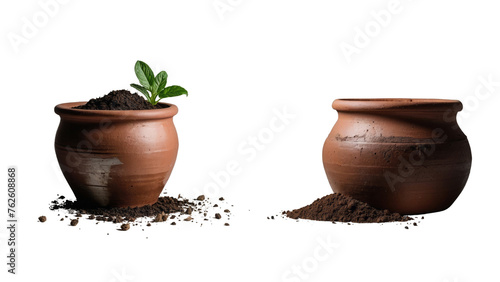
x: 239, y: 67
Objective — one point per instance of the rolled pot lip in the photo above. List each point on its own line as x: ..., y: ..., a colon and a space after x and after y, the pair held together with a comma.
x: 396, y: 104
x: 67, y: 110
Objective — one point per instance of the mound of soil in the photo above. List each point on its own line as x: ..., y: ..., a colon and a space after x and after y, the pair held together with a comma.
x: 337, y: 207
x: 166, y: 209
x: 119, y: 100
x: 164, y: 205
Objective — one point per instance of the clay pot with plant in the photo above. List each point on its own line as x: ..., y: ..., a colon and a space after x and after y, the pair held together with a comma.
x: 120, y: 158
x: 404, y: 155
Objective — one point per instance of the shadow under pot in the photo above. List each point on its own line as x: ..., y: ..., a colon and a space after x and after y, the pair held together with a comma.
x: 114, y: 158
x: 405, y: 155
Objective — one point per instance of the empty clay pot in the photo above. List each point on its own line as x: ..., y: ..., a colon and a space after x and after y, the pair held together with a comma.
x: 116, y: 158
x: 404, y: 155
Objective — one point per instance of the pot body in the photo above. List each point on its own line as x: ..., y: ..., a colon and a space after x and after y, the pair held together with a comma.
x: 116, y: 158
x: 404, y: 155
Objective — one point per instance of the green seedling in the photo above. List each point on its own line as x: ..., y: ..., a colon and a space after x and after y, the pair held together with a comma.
x: 153, y: 87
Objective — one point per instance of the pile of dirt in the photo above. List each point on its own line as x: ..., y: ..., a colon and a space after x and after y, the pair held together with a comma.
x: 119, y: 100
x: 341, y: 208
x: 169, y: 209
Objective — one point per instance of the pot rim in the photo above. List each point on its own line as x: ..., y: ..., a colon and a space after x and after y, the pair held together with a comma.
x: 67, y: 110
x: 396, y: 104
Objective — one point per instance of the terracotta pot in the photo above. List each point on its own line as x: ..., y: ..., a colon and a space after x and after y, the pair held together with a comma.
x: 116, y: 158
x: 404, y: 155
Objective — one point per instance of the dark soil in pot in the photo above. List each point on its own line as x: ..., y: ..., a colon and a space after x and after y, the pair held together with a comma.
x: 119, y: 100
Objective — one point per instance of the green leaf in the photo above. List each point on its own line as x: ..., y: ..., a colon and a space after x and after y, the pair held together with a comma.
x: 142, y: 90
x: 161, y: 80
x: 172, y: 91
x: 144, y: 74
